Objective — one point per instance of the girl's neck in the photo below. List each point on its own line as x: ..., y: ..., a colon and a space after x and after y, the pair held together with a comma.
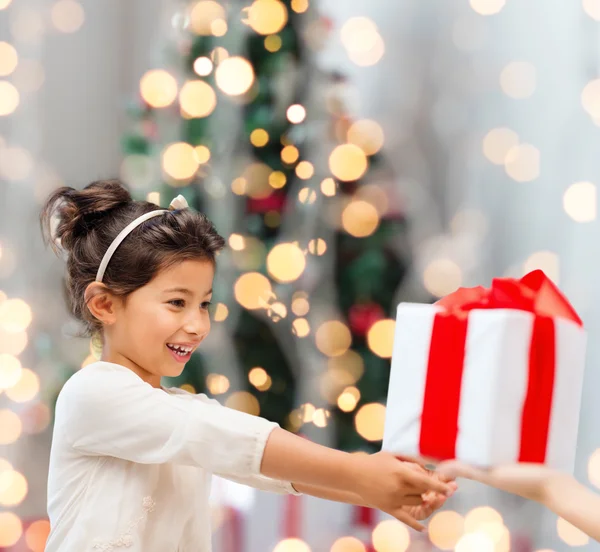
x: 109, y: 355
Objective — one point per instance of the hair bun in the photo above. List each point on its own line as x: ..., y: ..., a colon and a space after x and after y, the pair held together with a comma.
x: 76, y: 212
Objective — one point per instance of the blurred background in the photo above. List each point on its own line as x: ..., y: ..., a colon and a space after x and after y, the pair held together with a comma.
x: 354, y: 154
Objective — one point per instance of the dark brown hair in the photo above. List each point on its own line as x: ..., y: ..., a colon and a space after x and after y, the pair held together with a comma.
x: 83, y: 223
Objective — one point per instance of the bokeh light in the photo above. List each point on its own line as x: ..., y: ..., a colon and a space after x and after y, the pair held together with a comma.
x: 259, y: 137
x: 204, y: 14
x: 244, y: 402
x: 37, y: 535
x: 67, y: 15
x: 348, y: 162
x: 286, y: 262
x: 348, y: 544
x: 579, y: 201
x: 158, y: 88
x: 547, y: 261
x: 498, y: 142
x: 475, y: 542
x: 333, y: 338
x: 13, y: 488
x: 570, y: 534
x: 10, y: 371
x: 300, y: 327
x: 267, y: 17
x: 369, y: 421
x: 8, y: 59
x: 441, y: 277
x: 10, y: 427
x: 11, y: 529
x: 590, y: 98
x: 252, y: 290
x: 197, y: 98
x: 522, y: 163
x: 592, y: 8
x: 291, y: 545
x: 445, y: 529
x: 487, y: 7
x: 234, y: 76
x: 179, y: 161
x: 518, y: 79
x: 367, y: 135
x: 26, y: 388
x: 9, y: 98
x: 217, y: 384
x: 360, y: 219
x: 391, y: 536
x: 380, y: 337
x: 15, y: 315
x: 348, y: 399
x: 305, y: 170
x: 328, y: 187
x: 203, y: 66
x: 296, y: 113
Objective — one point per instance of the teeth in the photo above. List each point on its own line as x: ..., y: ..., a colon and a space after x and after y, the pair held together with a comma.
x: 180, y: 349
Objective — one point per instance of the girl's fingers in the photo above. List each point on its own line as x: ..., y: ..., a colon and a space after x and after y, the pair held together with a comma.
x: 407, y: 519
x: 425, y: 482
x: 412, y: 500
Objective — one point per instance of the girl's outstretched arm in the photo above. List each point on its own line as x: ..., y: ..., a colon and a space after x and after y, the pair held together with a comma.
x: 559, y: 492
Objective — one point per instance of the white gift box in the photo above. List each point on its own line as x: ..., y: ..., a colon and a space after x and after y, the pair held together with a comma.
x: 514, y: 396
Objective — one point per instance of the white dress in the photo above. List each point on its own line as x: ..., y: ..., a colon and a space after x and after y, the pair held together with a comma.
x: 131, y: 465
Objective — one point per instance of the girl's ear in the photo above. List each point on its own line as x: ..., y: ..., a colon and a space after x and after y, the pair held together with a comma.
x: 101, y: 303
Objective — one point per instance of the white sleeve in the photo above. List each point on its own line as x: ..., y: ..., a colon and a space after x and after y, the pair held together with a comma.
x: 257, y: 480
x: 112, y: 412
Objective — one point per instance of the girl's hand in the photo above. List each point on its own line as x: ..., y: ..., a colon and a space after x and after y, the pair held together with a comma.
x: 391, y: 485
x: 432, y: 500
x: 531, y: 481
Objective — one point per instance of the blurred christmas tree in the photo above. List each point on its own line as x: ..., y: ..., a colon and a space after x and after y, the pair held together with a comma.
x: 227, y: 127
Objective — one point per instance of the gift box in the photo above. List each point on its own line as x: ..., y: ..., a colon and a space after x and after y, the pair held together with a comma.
x: 488, y: 376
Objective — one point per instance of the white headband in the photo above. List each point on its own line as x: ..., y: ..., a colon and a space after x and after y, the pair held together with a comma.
x: 178, y: 203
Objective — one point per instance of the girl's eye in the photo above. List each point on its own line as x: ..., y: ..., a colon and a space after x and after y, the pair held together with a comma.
x: 177, y: 303
x: 206, y: 305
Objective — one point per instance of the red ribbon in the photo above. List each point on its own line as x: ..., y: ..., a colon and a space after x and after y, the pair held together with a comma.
x: 365, y: 518
x: 533, y: 293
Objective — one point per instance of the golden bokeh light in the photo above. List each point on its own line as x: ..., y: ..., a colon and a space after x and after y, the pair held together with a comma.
x: 286, y: 262
x: 9, y: 98
x: 592, y: 8
x: 197, y: 98
x: 259, y: 137
x: 221, y: 312
x: 360, y: 219
x: 593, y: 468
x: 10, y: 371
x: 218, y: 27
x: 483, y: 515
x: 348, y: 368
x: 258, y: 376
x: 548, y: 261
x: 320, y: 417
x: 4, y: 4
x: 10, y: 427
x: 348, y: 162
x: 306, y: 195
x: 375, y: 195
x: 244, y: 402
x: 579, y: 201
x: 369, y: 421
x: 475, y: 542
x: 11, y: 529
x: 518, y: 79
x: 291, y: 545
x: 498, y: 142
x: 217, y: 384
x: 37, y: 535
x: 317, y: 247
x: 445, y: 529
x: 267, y: 17
x: 296, y: 113
x: 391, y: 536
x: 367, y: 135
x: 590, y: 98
x: 252, y: 290
x: 204, y: 14
x: 158, y: 88
x: 300, y: 305
x: 35, y: 418
x: 277, y: 179
x: 273, y: 43
x: 570, y: 534
x: 333, y: 338
x: 522, y: 163
x: 305, y: 170
x: 441, y: 277
x: 13, y: 343
x: 300, y: 6
x: 67, y: 15
x: 256, y: 178
x: 380, y: 337
x: 348, y: 544
x: 290, y: 154
x: 203, y: 66
x: 301, y: 327
x: 348, y: 399
x: 487, y: 7
x: 328, y: 187
x: 15, y: 315
x: 362, y: 41
x: 234, y: 76
x: 153, y: 197
x: 13, y: 488
x: 238, y: 186
x: 202, y: 154
x: 237, y: 242
x: 179, y: 161
x: 8, y: 59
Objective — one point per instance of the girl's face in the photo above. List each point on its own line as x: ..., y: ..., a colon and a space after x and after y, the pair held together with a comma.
x: 159, y: 325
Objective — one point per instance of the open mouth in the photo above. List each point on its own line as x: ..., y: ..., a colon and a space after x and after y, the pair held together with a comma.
x: 181, y: 353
